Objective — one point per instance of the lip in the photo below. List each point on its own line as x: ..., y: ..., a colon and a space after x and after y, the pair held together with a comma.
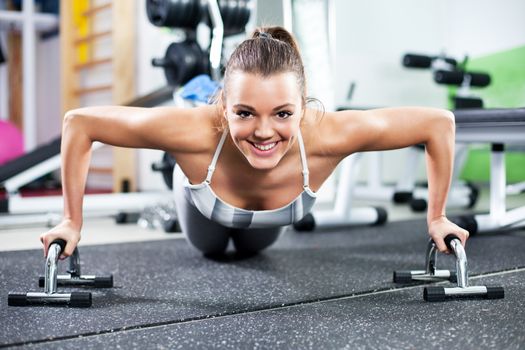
x: 262, y: 153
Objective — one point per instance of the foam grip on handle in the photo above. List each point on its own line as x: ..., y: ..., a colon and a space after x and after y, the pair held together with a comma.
x: 495, y: 293
x: 448, y: 77
x: 402, y: 277
x: 16, y: 299
x: 417, y: 61
x: 479, y: 79
x: 104, y: 282
x: 61, y: 243
x: 448, y: 239
x: 457, y: 77
x: 80, y: 299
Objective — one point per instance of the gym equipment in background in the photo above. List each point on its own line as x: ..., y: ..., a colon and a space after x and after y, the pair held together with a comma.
x: 187, y: 14
x: 406, y: 190
x: 431, y: 273
x: 500, y: 128
x: 51, y: 280
x: 174, y: 13
x: 16, y: 210
x: 182, y: 62
x: 3, y: 59
x: 317, y: 47
x: 11, y: 142
x: 162, y: 215
x: 447, y: 71
x: 185, y: 60
x: 343, y: 214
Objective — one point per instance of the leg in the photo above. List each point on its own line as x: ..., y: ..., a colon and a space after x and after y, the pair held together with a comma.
x: 207, y: 236
x: 249, y: 241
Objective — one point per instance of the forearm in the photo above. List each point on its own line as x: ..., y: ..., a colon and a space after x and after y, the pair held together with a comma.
x: 439, y: 161
x: 76, y: 156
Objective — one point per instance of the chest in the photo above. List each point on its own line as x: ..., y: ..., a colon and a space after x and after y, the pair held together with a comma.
x: 271, y: 189
x: 244, y: 187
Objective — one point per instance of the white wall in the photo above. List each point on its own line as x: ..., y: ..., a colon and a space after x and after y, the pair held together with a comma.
x: 373, y: 35
x: 48, y: 109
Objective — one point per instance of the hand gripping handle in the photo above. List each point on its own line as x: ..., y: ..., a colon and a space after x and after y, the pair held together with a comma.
x: 448, y: 240
x: 61, y: 243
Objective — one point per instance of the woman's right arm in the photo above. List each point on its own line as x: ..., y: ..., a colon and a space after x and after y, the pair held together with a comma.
x: 167, y: 128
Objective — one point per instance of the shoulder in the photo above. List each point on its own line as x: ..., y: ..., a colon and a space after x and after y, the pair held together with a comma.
x: 193, y: 130
x: 336, y: 134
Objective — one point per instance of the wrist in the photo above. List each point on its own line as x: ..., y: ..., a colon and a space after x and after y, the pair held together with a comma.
x: 75, y: 223
x: 434, y: 218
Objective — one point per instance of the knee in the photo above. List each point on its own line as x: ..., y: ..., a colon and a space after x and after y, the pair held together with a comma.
x: 209, y: 247
x: 253, y: 242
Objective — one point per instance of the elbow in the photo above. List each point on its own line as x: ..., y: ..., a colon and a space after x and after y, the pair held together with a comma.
x: 450, y: 117
x: 447, y: 122
x: 74, y: 125
x: 441, y: 128
x: 71, y: 119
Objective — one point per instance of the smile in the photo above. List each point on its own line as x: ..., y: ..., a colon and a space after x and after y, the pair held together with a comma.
x: 265, y: 147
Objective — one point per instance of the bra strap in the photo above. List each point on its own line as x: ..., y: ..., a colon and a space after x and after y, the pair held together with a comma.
x: 306, y: 173
x: 211, y: 168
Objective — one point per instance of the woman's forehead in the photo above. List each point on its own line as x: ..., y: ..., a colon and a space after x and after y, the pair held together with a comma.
x: 249, y: 88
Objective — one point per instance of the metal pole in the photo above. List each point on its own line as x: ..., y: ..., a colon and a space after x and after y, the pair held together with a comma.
x: 28, y: 35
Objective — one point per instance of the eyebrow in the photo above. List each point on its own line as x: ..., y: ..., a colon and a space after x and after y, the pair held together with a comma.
x: 253, y: 109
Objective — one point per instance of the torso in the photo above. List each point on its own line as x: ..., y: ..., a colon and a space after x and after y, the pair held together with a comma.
x: 242, y: 186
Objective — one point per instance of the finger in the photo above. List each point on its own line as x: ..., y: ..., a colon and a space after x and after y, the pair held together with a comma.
x: 68, y: 250
x: 441, y: 246
x: 45, y: 242
x: 463, y: 236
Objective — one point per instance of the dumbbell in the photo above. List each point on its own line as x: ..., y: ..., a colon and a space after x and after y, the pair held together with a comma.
x: 187, y: 14
x: 165, y: 167
x: 235, y: 14
x: 51, y: 280
x: 175, y: 13
x: 182, y: 62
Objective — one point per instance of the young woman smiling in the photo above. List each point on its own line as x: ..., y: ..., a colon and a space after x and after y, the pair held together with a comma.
x: 251, y: 164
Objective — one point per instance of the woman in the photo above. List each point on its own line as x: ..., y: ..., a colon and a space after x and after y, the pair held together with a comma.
x: 251, y: 163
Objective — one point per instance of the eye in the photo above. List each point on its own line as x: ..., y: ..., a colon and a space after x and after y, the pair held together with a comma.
x: 243, y: 114
x: 284, y: 114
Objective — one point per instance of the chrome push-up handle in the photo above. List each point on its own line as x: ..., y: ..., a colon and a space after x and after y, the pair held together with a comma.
x: 460, y: 276
x: 51, y: 280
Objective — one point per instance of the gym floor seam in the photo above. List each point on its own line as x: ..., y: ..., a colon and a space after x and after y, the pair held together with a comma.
x: 283, y: 306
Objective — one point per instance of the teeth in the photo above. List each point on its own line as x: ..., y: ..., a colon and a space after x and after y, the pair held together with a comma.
x: 265, y: 147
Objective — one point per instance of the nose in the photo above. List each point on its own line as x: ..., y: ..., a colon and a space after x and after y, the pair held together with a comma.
x: 264, y: 128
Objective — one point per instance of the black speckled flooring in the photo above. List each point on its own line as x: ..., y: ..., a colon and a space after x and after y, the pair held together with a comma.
x: 308, y: 291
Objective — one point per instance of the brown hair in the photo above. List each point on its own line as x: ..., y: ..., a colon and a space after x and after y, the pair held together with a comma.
x: 269, y: 50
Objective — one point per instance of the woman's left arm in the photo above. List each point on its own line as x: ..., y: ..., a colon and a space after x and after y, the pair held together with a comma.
x: 392, y: 128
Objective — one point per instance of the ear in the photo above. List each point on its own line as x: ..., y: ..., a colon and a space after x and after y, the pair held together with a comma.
x: 222, y: 103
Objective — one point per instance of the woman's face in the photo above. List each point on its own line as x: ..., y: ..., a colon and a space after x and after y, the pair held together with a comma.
x: 263, y: 116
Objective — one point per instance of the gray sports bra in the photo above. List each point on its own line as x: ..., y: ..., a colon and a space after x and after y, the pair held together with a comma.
x: 214, y: 208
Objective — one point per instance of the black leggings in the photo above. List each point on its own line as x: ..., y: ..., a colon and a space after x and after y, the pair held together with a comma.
x: 210, y: 237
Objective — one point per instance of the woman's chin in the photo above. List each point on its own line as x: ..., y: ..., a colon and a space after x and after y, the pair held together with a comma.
x: 263, y: 164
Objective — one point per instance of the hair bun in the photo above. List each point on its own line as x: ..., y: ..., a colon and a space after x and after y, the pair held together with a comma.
x: 265, y: 35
